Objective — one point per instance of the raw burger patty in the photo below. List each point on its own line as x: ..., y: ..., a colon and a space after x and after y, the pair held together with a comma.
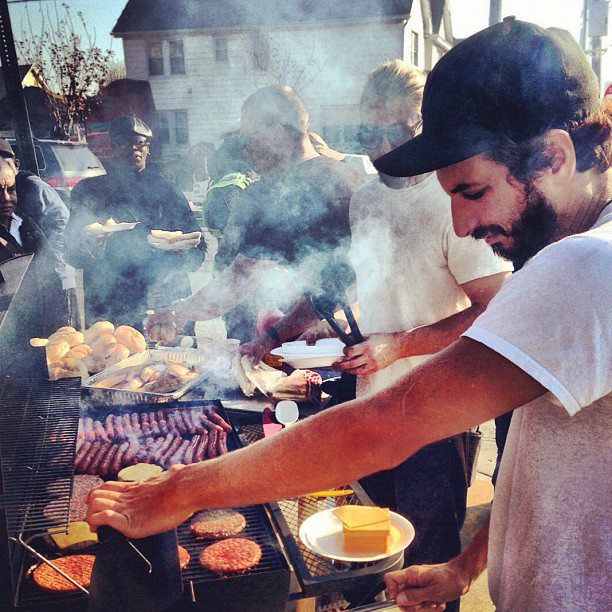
x: 78, y: 567
x: 81, y: 486
x: 217, y: 523
x: 184, y: 557
x: 231, y: 555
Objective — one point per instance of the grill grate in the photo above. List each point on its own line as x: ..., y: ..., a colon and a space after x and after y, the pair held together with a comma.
x: 38, y: 429
x: 316, y: 574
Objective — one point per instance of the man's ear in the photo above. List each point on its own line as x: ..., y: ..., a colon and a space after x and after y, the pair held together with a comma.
x: 16, y: 164
x: 560, y: 149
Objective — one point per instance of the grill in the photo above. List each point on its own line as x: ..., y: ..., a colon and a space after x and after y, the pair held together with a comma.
x: 317, y: 575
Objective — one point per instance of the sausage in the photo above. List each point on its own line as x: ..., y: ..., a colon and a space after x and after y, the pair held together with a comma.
x: 81, y: 430
x: 180, y: 453
x: 144, y: 425
x: 176, y: 442
x: 193, y: 443
x: 143, y: 451
x: 211, y: 450
x: 126, y: 421
x: 107, y: 461
x: 93, y: 449
x: 178, y: 419
x: 136, y: 423
x: 222, y: 443
x: 217, y: 419
x: 161, y: 450
x: 119, y: 458
x: 130, y: 453
x: 188, y: 421
x: 81, y: 454
x: 152, y: 451
x: 77, y: 448
x: 88, y: 429
x: 200, y: 451
x: 154, y: 424
x: 100, y: 432
x: 163, y: 426
x: 118, y: 425
x: 97, y: 460
x: 172, y: 428
x: 109, y: 427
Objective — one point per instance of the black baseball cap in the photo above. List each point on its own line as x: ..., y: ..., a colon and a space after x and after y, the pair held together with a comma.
x: 5, y: 148
x: 129, y: 128
x: 513, y: 80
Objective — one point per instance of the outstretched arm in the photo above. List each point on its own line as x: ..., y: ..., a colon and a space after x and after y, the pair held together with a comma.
x: 334, y: 447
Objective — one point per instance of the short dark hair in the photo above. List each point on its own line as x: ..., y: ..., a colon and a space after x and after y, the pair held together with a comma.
x: 280, y: 104
x: 592, y: 140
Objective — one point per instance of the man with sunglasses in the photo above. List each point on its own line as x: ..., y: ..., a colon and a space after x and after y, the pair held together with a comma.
x: 123, y: 272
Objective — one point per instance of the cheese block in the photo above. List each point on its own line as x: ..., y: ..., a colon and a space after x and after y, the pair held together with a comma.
x: 139, y: 471
x: 79, y: 536
x: 360, y: 516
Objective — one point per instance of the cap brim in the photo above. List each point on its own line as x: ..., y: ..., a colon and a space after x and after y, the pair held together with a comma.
x: 422, y: 154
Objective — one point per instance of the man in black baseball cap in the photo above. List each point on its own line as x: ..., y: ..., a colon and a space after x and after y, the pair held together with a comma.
x: 512, y: 122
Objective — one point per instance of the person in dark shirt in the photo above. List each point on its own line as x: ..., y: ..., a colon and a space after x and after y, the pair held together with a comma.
x: 123, y: 274
x: 285, y: 229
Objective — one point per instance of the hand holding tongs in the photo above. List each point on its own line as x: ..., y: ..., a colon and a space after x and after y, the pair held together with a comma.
x: 324, y: 307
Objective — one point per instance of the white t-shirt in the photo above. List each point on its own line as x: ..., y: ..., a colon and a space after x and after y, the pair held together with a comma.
x: 550, y: 543
x: 410, y: 264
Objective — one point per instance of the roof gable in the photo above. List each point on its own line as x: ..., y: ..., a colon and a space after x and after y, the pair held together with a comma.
x: 172, y: 15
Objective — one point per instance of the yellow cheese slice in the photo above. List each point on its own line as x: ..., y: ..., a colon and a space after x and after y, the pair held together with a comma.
x: 140, y: 471
x: 78, y: 531
x: 375, y: 529
x: 360, y: 516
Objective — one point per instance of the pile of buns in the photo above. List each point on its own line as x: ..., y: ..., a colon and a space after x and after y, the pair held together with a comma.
x: 154, y: 375
x: 72, y: 353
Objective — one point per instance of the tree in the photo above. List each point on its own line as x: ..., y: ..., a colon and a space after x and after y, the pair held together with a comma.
x: 72, y: 69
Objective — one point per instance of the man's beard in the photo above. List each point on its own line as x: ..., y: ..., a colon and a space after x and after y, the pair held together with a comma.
x: 535, y: 228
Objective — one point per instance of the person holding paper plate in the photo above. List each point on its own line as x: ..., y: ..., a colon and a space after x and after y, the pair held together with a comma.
x: 131, y: 232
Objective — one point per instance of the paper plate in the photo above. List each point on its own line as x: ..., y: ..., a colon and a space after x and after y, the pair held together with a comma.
x: 322, y: 533
x: 111, y: 229
x: 299, y: 355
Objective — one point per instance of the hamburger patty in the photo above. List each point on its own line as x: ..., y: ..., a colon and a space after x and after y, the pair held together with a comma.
x: 231, y: 555
x: 81, y: 486
x: 217, y: 523
x: 78, y: 567
x: 184, y: 557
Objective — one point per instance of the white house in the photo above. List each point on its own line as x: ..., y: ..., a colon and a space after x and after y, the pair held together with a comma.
x: 204, y: 57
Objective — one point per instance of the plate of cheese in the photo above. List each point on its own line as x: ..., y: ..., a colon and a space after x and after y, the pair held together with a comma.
x: 357, y: 534
x: 110, y: 226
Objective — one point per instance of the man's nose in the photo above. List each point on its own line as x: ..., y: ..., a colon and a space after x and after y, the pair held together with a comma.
x: 5, y: 196
x: 465, y: 219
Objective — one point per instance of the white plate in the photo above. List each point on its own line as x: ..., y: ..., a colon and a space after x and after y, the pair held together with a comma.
x: 322, y: 533
x: 299, y: 355
x: 111, y: 229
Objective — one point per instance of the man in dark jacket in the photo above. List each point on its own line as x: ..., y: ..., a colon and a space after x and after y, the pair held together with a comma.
x: 123, y: 273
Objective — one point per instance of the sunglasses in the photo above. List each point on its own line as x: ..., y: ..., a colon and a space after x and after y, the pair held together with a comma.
x: 137, y: 144
x: 371, y: 136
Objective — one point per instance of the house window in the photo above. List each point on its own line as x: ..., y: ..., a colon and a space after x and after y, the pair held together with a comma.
x: 221, y: 49
x: 156, y: 58
x: 414, y: 48
x: 172, y: 127
x: 261, y: 53
x: 177, y: 57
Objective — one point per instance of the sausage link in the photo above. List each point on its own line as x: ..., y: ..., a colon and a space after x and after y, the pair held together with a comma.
x: 126, y: 421
x: 81, y: 430
x: 163, y: 426
x: 81, y: 454
x: 188, y: 421
x: 100, y: 432
x: 143, y: 451
x: 130, y: 453
x: 161, y: 451
x: 222, y: 443
x: 109, y: 426
x: 153, y: 450
x: 211, y: 450
x: 119, y: 460
x: 119, y: 431
x: 107, y: 461
x: 200, y: 452
x: 193, y: 443
x: 136, y: 423
x: 88, y: 429
x: 144, y: 424
x: 180, y: 453
x: 176, y: 442
x: 93, y: 449
x: 97, y: 460
x: 172, y: 428
x: 178, y: 419
x: 154, y: 424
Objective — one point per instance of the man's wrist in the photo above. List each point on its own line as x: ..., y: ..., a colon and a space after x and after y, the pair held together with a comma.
x: 273, y: 335
x: 404, y: 343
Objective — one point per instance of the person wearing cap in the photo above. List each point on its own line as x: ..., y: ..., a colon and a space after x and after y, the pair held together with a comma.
x: 514, y: 126
x: 123, y: 273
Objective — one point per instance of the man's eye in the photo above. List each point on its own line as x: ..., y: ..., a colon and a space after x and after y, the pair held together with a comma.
x: 474, y: 196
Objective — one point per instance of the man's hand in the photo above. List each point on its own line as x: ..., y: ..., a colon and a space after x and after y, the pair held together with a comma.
x: 162, y: 325
x: 257, y: 348
x: 320, y: 330
x: 375, y: 353
x: 139, y: 509
x: 427, y: 587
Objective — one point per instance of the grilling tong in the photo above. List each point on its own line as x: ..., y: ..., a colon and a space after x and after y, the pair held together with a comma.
x: 324, y: 306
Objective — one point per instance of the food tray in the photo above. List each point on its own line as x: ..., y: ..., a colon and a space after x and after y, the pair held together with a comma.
x: 124, y: 396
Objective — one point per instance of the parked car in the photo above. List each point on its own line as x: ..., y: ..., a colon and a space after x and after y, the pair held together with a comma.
x: 63, y: 164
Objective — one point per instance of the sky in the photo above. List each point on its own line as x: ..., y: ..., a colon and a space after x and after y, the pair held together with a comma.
x: 468, y: 16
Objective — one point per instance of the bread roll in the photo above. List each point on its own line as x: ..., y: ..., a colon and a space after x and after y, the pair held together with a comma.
x: 65, y: 329
x: 79, y: 351
x: 104, y: 345
x: 97, y: 329
x: 115, y: 380
x: 73, y: 338
x: 119, y: 353
x: 131, y: 338
x: 178, y: 369
x: 56, y: 350
x: 55, y: 373
x: 133, y: 385
x: 76, y: 366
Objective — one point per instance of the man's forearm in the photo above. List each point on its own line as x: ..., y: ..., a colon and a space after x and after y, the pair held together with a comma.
x: 430, y: 339
x: 473, y: 560
x: 297, y: 320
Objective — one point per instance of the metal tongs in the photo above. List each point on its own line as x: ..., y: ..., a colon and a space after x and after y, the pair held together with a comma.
x: 324, y: 306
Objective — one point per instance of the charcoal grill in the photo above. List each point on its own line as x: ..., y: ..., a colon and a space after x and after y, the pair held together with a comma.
x: 317, y: 575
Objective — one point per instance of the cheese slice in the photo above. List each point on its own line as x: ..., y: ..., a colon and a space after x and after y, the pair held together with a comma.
x: 361, y: 516
x: 78, y: 531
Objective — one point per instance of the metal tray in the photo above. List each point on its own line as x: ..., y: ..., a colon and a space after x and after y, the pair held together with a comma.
x: 124, y: 396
